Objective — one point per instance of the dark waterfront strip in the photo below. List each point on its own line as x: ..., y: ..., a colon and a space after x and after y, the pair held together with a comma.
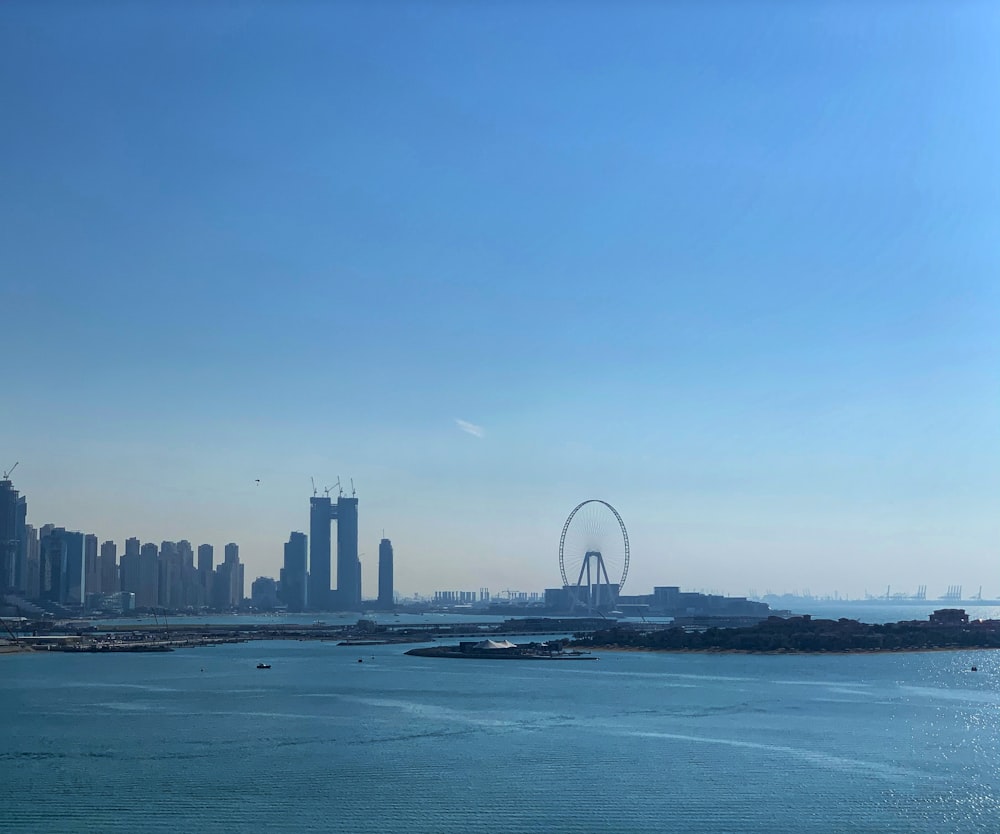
x: 945, y: 629
x: 75, y: 637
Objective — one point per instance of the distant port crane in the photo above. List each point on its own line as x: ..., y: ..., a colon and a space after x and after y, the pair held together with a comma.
x: 594, y: 549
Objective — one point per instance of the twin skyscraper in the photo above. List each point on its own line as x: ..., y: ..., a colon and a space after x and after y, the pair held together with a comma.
x: 322, y: 513
x: 307, y: 586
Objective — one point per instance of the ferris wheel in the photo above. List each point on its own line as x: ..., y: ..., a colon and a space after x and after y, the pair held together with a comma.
x: 594, y: 554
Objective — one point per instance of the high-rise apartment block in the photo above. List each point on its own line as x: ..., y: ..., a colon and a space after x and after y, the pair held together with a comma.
x: 386, y: 596
x: 13, y: 546
x: 109, y: 567
x: 128, y: 570
x: 294, y: 576
x: 91, y: 565
x: 264, y: 593
x: 31, y: 586
x: 63, y: 578
x: 148, y: 595
x: 206, y: 558
x: 228, y: 582
x: 73, y: 570
x: 206, y: 572
x: 320, y: 514
x: 348, y: 565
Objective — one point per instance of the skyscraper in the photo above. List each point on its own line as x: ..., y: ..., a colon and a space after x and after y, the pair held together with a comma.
x: 228, y: 581
x: 21, y: 551
x: 237, y: 588
x: 320, y: 514
x: 169, y: 569
x: 206, y: 558
x: 90, y: 564
x: 32, y: 568
x: 128, y: 573
x: 348, y: 566
x: 206, y: 574
x: 294, y: 577
x: 76, y: 577
x: 13, y: 509
x: 190, y: 587
x: 63, y: 575
x: 348, y: 592
x: 149, y: 577
x: 109, y: 567
x: 386, y: 596
x: 53, y: 564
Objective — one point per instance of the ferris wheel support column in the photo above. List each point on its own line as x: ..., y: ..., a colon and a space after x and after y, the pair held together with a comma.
x: 579, y: 580
x: 607, y: 579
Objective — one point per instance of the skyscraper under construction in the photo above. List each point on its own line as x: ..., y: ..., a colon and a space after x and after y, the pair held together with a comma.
x: 348, y: 564
x: 322, y: 513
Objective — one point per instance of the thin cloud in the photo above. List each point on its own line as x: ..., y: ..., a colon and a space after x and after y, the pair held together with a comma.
x: 470, y: 428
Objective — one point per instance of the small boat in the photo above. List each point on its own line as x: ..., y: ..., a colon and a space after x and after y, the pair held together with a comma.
x: 361, y: 660
x: 263, y: 665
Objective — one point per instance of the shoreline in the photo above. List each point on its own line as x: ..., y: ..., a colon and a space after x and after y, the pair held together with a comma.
x: 434, y: 652
x: 16, y: 650
x: 779, y: 652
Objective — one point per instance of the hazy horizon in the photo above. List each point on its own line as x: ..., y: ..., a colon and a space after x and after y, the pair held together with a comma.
x: 731, y: 268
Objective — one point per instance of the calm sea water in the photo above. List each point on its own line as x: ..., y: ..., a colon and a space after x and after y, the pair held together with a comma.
x: 201, y: 741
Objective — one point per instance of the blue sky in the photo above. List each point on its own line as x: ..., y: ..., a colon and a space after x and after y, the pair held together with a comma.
x: 731, y: 267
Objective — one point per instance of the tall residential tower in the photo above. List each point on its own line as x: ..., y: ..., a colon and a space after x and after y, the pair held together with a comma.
x: 386, y: 596
x: 13, y: 543
x: 321, y: 512
x: 294, y: 576
x: 348, y: 565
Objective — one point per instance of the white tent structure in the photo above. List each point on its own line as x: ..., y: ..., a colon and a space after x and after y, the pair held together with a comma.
x: 495, y: 644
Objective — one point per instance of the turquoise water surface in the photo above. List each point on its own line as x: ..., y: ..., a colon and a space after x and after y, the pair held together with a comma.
x: 201, y: 741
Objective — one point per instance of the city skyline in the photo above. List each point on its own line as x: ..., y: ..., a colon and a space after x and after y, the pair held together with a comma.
x: 465, y: 583
x: 732, y: 271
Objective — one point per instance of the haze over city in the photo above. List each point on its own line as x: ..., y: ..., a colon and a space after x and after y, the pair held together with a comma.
x: 492, y: 261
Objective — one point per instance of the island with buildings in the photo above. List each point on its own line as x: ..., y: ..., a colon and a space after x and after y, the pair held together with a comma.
x: 503, y: 650
x: 946, y: 628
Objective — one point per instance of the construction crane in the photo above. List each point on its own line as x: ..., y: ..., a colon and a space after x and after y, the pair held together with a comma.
x: 340, y: 489
x: 313, y: 481
x: 353, y: 492
x: 6, y: 475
